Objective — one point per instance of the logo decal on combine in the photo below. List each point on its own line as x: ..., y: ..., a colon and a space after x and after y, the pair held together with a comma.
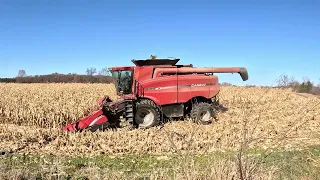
x: 198, y: 85
x: 159, y: 88
x: 181, y: 86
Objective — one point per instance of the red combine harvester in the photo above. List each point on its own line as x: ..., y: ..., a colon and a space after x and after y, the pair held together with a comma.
x: 158, y: 89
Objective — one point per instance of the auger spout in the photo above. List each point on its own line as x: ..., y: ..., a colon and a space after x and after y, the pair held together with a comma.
x: 187, y: 70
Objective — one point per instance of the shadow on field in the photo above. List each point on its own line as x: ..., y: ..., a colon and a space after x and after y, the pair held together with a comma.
x: 217, y: 108
x: 116, y: 123
x: 221, y: 108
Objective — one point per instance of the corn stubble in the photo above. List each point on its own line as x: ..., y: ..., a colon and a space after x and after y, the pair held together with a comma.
x: 32, y: 116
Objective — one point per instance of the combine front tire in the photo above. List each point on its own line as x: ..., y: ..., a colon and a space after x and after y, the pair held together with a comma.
x: 202, y: 113
x: 147, y: 114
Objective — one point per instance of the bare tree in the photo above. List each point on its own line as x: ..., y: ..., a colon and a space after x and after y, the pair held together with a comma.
x: 285, y: 81
x: 21, y: 73
x: 91, y: 71
x: 305, y: 79
x: 104, y: 72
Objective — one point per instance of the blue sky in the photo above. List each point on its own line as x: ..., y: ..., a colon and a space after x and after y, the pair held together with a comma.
x: 268, y: 37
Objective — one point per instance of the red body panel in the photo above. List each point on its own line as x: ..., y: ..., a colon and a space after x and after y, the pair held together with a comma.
x: 143, y: 73
x: 196, y: 85
x: 95, y: 118
x: 178, y: 88
x: 122, y: 68
x: 162, y: 90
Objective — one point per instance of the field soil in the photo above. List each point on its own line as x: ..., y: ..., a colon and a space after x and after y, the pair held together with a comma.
x: 251, y: 120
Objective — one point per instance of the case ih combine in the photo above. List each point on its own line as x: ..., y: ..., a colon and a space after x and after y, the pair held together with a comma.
x: 157, y: 89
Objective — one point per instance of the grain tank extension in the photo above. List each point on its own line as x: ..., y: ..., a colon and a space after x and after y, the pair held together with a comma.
x: 155, y: 90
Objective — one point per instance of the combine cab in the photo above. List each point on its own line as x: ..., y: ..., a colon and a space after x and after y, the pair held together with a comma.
x: 154, y: 90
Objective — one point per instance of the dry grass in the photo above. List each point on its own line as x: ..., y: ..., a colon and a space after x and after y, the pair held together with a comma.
x: 34, y: 113
x: 32, y: 116
x: 49, y: 105
x: 54, y: 169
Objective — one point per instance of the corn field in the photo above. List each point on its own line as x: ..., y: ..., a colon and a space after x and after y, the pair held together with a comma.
x: 32, y: 116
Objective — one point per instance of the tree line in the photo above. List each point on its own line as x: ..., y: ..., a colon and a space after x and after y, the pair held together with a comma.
x: 306, y: 86
x: 91, y: 76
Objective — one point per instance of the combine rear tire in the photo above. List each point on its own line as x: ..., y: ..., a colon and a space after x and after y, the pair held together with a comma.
x: 147, y: 114
x: 202, y: 113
